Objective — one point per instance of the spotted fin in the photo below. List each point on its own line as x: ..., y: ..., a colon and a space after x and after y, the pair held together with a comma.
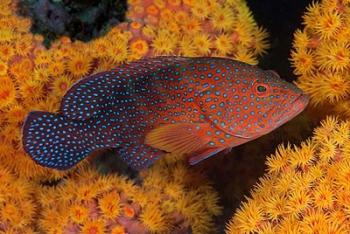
x: 207, y: 153
x: 89, y: 96
x: 54, y: 141
x: 179, y: 138
x: 273, y: 72
x: 139, y: 156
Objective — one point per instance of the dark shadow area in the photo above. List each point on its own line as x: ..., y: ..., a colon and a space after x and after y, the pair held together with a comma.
x: 281, y: 18
x: 78, y: 19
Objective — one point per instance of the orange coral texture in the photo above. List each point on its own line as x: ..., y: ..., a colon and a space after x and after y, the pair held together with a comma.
x: 170, y: 200
x: 35, y: 78
x: 18, y: 207
x: 321, y: 55
x: 306, y: 188
x: 32, y: 77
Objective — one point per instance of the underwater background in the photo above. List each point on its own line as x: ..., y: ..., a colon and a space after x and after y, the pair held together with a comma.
x: 293, y: 180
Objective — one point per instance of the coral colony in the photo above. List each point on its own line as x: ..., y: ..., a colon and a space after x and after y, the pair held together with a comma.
x: 36, y: 78
x: 305, y: 188
x: 321, y: 55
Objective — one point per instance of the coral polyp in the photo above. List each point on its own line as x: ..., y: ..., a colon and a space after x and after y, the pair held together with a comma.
x: 113, y: 203
x: 168, y: 25
x: 321, y: 55
x: 7, y: 92
x: 18, y: 207
x: 305, y: 189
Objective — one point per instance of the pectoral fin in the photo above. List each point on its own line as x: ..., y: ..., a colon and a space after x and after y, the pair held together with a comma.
x: 182, y: 138
x: 200, y: 156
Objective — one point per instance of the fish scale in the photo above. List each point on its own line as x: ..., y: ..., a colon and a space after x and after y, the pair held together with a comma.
x: 192, y: 106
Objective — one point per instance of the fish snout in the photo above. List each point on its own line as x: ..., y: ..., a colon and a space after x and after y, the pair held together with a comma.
x: 303, y: 99
x: 300, y: 103
x: 294, y: 108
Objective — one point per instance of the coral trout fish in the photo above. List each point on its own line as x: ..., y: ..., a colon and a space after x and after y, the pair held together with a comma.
x: 191, y: 106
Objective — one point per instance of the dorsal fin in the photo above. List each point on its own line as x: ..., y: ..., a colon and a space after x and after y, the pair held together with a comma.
x: 90, y: 95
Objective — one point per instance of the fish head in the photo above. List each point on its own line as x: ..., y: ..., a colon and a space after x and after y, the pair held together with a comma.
x: 276, y: 101
x: 250, y: 102
x: 255, y: 102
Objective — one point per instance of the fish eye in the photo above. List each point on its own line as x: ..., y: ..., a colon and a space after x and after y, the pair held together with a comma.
x: 261, y: 88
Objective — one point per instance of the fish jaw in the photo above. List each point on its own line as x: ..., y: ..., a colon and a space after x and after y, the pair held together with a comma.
x: 295, y: 108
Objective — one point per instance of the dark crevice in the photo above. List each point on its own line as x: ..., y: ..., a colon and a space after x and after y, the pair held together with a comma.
x: 77, y: 19
x: 281, y: 18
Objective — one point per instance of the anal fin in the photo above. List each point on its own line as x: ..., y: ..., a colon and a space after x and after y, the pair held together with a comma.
x: 139, y: 156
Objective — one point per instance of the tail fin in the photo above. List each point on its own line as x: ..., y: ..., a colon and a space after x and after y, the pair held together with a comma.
x: 54, y: 141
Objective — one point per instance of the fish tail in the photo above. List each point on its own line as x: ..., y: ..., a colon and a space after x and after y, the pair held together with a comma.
x: 58, y: 142
x: 54, y: 141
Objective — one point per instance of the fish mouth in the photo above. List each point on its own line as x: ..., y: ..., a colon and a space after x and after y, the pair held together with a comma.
x: 294, y: 109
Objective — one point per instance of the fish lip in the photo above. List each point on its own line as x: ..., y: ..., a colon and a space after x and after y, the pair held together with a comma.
x: 296, y: 107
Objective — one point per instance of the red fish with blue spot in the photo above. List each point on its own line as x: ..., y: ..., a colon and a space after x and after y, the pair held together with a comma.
x: 192, y: 106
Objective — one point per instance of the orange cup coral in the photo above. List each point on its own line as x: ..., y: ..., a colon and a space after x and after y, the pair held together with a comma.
x: 196, y: 28
x: 18, y: 207
x: 88, y: 201
x: 321, y: 55
x: 306, y: 189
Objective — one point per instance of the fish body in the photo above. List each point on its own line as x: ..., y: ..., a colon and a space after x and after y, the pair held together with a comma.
x: 192, y: 106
